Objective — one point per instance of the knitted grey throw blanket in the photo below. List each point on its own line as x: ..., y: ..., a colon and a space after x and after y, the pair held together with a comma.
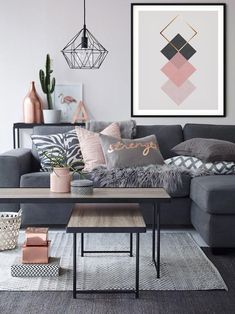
x: 175, y: 180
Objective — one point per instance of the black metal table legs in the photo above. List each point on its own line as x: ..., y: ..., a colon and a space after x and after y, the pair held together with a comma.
x: 82, y: 244
x: 156, y: 227
x: 137, y: 273
x: 131, y: 244
x: 155, y: 255
x: 74, y: 265
x: 158, y: 241
x: 156, y: 218
x: 136, y: 290
x: 83, y: 251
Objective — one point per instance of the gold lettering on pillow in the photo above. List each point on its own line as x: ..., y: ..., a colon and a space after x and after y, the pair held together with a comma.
x: 121, y: 146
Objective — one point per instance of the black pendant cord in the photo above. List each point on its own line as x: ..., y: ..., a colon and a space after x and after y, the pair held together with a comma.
x: 84, y: 8
x: 84, y: 18
x: 84, y: 38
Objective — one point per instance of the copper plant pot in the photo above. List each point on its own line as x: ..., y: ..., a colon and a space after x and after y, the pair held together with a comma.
x: 33, y: 106
x: 60, y: 180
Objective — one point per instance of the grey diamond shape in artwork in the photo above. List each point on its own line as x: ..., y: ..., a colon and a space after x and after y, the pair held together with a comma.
x: 176, y: 44
x: 178, y: 41
x: 169, y: 51
x: 188, y: 51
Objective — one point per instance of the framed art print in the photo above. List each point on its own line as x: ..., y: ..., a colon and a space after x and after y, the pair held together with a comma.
x: 178, y: 60
x: 66, y: 99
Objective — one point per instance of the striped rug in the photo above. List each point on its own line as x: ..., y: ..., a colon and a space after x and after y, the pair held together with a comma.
x: 184, y: 266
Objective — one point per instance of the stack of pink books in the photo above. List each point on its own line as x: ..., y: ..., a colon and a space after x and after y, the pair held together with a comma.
x: 36, y: 247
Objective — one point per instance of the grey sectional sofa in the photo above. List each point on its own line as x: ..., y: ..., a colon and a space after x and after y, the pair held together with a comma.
x: 208, y: 203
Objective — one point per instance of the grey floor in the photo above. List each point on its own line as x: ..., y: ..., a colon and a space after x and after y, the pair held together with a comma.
x: 164, y: 302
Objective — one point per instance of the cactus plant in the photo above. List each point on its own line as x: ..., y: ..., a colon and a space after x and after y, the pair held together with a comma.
x: 47, y: 84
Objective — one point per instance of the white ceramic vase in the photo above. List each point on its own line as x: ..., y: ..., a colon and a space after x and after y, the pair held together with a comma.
x: 51, y: 116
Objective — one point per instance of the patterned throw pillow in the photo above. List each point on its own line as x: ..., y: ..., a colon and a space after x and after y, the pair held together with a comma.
x: 124, y: 153
x: 219, y: 167
x: 65, y: 143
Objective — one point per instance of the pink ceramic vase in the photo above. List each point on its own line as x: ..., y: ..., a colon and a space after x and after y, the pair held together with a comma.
x: 32, y: 106
x: 60, y: 180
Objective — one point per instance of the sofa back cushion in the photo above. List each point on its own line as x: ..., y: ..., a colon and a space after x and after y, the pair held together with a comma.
x: 167, y: 136
x: 219, y: 132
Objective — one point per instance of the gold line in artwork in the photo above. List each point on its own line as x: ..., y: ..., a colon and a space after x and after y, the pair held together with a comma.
x: 161, y: 32
x: 168, y: 25
x: 195, y: 33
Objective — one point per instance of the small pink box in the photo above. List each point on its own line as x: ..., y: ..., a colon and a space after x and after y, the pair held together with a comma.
x: 35, y: 254
x: 36, y: 236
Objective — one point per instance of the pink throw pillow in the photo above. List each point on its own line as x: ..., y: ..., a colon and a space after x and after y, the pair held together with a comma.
x: 91, y: 146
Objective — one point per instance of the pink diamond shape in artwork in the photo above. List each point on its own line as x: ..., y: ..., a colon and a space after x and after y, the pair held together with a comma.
x: 178, y: 94
x: 178, y: 60
x: 178, y: 76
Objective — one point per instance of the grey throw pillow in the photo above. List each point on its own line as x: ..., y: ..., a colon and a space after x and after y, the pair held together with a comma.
x: 124, y: 153
x: 208, y: 150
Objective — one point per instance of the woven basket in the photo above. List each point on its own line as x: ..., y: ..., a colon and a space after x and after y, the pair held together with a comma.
x: 9, y: 229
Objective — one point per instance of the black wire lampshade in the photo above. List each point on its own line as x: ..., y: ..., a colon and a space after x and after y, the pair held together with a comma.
x: 84, y: 51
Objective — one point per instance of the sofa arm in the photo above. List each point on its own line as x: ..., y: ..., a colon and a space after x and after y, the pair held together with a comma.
x: 13, y: 165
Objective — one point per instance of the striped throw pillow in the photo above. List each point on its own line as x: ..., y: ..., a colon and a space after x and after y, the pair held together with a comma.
x: 90, y: 144
x: 65, y: 143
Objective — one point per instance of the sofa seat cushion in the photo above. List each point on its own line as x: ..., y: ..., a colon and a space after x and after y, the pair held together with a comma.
x: 38, y: 180
x: 42, y: 180
x: 214, y: 194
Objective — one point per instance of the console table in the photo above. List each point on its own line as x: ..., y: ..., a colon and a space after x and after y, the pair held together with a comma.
x: 155, y: 196
x: 21, y: 125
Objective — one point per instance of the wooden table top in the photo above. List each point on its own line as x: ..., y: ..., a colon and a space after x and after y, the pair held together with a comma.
x: 101, y: 195
x: 117, y: 218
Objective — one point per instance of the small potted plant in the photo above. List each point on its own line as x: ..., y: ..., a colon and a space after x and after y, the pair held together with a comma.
x: 50, y: 115
x: 61, y: 171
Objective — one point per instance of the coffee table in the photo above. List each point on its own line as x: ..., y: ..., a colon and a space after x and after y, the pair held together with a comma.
x: 155, y: 196
x: 106, y: 218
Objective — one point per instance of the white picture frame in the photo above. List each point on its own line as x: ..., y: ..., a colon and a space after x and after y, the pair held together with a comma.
x: 64, y: 95
x: 178, y: 65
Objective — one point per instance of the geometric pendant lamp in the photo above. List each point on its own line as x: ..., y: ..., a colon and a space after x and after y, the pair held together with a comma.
x: 84, y: 51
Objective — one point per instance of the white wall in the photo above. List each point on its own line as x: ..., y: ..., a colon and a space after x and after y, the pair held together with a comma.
x: 29, y: 29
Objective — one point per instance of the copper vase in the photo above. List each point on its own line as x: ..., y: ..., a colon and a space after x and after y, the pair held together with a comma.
x: 32, y: 106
